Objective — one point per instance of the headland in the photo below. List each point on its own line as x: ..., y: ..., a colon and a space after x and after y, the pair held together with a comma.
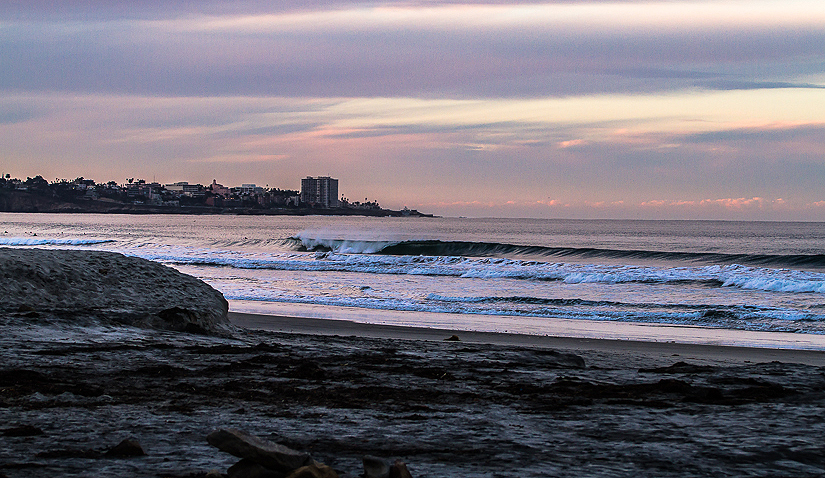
x: 85, y: 196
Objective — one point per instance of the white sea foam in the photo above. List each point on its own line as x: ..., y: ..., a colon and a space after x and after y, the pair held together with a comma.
x: 344, y: 246
x: 768, y: 319
x: 734, y: 276
x: 32, y: 241
x: 776, y: 281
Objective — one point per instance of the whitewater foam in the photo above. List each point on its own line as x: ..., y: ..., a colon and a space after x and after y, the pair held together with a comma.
x: 31, y: 241
x: 734, y: 275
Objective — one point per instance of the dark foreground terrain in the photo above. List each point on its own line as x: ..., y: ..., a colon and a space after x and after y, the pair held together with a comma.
x: 69, y: 393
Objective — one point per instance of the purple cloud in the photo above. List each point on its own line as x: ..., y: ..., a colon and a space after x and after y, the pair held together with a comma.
x: 185, y: 54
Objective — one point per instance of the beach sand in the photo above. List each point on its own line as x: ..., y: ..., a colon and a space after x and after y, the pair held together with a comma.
x: 488, y: 405
x: 610, y: 351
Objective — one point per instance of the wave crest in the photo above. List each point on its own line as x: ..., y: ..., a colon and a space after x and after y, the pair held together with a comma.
x: 492, y: 249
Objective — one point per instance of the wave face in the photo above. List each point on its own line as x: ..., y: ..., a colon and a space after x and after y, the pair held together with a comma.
x: 491, y: 249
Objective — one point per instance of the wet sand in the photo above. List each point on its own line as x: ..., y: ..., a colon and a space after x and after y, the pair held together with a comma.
x: 618, y: 351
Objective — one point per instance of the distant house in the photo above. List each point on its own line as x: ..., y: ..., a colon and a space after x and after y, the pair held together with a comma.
x: 249, y: 189
x: 183, y: 188
x: 220, y: 189
x: 142, y: 189
x: 320, y: 192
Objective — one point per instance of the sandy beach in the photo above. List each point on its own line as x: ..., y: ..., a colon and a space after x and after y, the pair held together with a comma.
x: 611, y: 351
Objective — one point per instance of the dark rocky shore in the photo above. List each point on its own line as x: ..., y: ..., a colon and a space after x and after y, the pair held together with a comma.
x: 72, y: 388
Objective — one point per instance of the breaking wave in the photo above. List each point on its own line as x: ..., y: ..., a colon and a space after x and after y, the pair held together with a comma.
x: 492, y: 249
x: 719, y: 316
x: 732, y: 275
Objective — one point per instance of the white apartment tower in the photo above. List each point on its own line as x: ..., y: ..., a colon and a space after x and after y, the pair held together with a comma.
x: 319, y: 192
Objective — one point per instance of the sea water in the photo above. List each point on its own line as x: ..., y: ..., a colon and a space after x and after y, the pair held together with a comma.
x: 682, y: 278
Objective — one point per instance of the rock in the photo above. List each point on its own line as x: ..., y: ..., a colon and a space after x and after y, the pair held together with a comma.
x: 307, y: 370
x: 213, y: 474
x: 270, y: 455
x: 315, y: 470
x: 178, y: 318
x: 69, y: 453
x: 108, y: 286
x: 399, y: 470
x: 680, y: 367
x: 549, y: 358
x: 559, y: 359
x: 375, y: 467
x: 127, y: 448
x: 453, y: 338
x: 247, y: 468
x: 22, y: 431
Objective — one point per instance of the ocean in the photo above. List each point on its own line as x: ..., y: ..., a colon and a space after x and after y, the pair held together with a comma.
x: 735, y: 283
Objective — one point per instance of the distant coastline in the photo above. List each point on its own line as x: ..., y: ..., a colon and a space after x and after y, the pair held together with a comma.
x: 28, y: 202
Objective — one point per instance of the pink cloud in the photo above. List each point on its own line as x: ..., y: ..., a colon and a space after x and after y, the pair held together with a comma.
x: 570, y: 144
x: 727, y: 203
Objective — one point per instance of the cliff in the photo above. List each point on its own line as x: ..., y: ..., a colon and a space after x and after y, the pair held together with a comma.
x: 19, y: 201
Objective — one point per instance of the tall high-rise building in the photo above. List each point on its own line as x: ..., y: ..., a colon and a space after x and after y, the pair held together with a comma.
x: 319, y: 192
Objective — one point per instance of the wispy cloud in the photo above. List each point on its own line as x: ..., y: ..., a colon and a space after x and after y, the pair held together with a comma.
x: 241, y: 158
x: 726, y: 203
x: 424, y: 49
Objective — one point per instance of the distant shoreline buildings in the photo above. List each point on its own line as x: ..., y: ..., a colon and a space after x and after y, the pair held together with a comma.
x: 320, y: 192
x: 317, y: 193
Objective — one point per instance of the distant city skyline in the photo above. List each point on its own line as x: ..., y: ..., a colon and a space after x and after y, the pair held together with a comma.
x: 703, y: 109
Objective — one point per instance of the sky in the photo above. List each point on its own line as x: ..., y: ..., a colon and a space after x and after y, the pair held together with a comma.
x: 704, y: 109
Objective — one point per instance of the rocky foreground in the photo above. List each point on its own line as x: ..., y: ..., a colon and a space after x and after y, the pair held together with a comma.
x: 84, y: 395
x: 69, y: 394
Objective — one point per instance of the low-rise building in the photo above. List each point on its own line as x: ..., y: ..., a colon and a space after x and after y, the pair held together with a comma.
x: 220, y: 189
x: 249, y: 189
x: 185, y: 189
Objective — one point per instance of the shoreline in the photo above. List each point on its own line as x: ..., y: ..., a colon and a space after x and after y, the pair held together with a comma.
x: 13, y: 201
x: 598, y: 349
x: 542, y: 326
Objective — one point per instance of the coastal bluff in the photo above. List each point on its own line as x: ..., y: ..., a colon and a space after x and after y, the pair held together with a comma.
x: 107, y: 286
